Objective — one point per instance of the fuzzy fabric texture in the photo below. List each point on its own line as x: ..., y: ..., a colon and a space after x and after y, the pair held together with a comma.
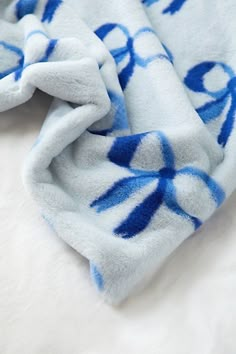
x: 47, y: 301
x: 138, y: 147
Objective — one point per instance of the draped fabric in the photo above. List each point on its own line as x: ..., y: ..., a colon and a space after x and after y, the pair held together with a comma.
x: 138, y: 147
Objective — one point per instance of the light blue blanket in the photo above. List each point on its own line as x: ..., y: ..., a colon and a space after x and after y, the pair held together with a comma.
x: 139, y: 146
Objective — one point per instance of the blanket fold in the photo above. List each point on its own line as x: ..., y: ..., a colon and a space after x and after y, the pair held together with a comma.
x: 138, y: 147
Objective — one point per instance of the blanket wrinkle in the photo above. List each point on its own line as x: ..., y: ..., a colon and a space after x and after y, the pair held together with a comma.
x: 137, y: 149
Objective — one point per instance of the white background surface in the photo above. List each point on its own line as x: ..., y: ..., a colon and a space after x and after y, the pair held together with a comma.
x: 49, y: 306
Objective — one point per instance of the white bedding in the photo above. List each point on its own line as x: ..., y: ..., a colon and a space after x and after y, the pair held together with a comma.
x: 48, y: 304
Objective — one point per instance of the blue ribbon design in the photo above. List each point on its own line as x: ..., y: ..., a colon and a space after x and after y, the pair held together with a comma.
x: 26, y: 7
x: 21, y: 64
x: 174, y: 6
x: 20, y: 55
x: 128, y: 50
x: 50, y: 9
x: 119, y: 119
x: 121, y: 154
x: 212, y: 109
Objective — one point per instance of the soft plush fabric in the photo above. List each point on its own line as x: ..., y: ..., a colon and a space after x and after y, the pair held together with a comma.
x: 138, y: 147
x: 47, y: 301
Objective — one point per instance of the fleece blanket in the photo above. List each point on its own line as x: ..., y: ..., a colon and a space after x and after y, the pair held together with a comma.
x: 138, y: 147
x: 47, y: 301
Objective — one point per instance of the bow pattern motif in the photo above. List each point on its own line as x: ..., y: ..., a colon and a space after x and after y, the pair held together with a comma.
x: 120, y: 54
x: 26, y: 7
x: 174, y: 6
x: 219, y: 99
x: 21, y: 64
x: 121, y: 154
x: 118, y: 115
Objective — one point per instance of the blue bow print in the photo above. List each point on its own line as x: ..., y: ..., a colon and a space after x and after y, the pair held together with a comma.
x: 21, y: 64
x: 128, y: 50
x: 119, y: 115
x: 122, y: 153
x: 19, y: 55
x: 212, y: 109
x: 26, y: 7
x: 174, y: 6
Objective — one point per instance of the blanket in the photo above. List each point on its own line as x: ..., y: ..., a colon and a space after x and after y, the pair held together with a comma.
x: 137, y: 149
